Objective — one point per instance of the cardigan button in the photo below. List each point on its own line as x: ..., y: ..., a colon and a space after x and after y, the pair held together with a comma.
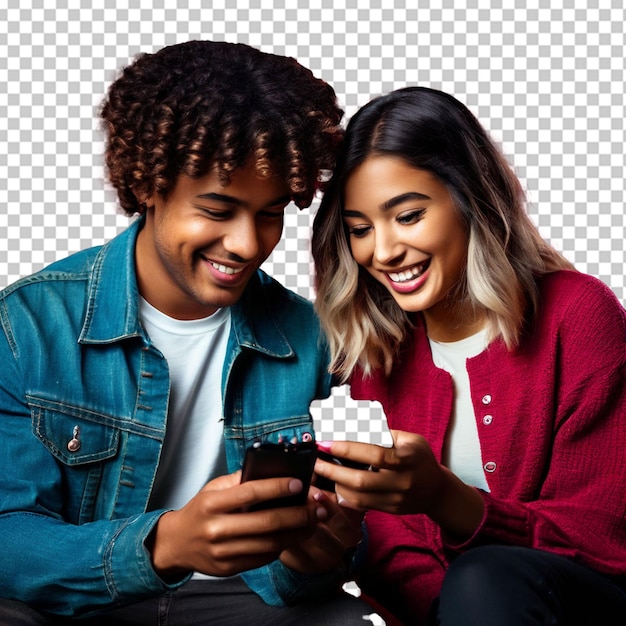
x: 487, y: 419
x: 490, y: 466
x: 486, y: 399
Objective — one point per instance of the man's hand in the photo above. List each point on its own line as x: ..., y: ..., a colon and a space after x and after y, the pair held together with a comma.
x: 211, y: 535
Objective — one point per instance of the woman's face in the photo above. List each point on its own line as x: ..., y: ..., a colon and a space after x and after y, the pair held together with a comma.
x: 406, y: 232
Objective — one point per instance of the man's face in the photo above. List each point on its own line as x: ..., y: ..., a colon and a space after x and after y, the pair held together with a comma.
x: 202, y: 243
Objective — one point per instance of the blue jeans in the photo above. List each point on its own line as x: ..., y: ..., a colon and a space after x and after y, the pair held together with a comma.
x: 227, y: 602
x: 514, y: 586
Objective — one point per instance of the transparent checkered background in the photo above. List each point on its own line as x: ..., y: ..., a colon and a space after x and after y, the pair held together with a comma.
x: 545, y: 77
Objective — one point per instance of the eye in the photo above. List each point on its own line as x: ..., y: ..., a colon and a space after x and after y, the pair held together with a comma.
x: 215, y: 214
x: 358, y: 230
x: 410, y: 217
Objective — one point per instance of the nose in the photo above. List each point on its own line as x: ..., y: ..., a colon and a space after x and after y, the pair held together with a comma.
x: 242, y: 239
x: 388, y: 250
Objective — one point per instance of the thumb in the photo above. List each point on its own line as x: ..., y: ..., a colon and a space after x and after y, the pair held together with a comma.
x: 405, y: 443
x: 402, y: 437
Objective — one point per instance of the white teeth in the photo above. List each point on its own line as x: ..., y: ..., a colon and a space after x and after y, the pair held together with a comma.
x: 226, y: 270
x: 402, y: 277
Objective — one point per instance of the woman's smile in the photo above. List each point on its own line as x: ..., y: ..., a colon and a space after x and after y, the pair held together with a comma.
x: 408, y: 280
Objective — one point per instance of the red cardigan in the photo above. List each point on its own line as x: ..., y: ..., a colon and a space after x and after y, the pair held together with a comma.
x: 551, y: 420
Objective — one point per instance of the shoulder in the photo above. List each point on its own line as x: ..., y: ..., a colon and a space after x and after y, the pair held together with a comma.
x: 72, y: 269
x: 566, y: 281
x: 578, y: 294
x: 78, y: 268
x: 580, y: 312
x: 278, y: 298
x: 272, y: 313
x: 270, y: 285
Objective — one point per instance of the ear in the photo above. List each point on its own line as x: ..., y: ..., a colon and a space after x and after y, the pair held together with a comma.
x: 145, y: 203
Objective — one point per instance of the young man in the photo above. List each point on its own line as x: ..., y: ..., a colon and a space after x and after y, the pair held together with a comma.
x: 135, y: 375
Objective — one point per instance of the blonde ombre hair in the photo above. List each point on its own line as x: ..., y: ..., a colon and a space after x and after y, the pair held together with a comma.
x: 429, y: 130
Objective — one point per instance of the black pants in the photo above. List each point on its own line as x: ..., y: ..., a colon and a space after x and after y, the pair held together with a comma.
x: 199, y: 603
x: 512, y: 586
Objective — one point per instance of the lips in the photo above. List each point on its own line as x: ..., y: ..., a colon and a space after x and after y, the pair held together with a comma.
x: 409, y: 274
x: 225, y: 269
x: 224, y: 275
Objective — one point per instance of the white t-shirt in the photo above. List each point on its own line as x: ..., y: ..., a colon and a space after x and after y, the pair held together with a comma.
x: 461, y: 452
x: 193, y: 451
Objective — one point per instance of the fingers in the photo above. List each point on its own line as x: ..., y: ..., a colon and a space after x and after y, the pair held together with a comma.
x: 229, y: 539
x: 406, y: 447
x: 236, y: 496
x: 255, y: 524
x: 364, y: 480
x: 381, y: 500
x: 220, y: 555
x: 375, y: 478
x: 399, y: 469
x: 211, y: 534
x: 352, y: 451
x: 326, y: 547
x: 346, y: 523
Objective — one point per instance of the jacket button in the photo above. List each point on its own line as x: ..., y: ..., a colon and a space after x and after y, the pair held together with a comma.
x: 73, y: 445
x: 486, y: 399
x: 490, y: 466
x: 487, y: 419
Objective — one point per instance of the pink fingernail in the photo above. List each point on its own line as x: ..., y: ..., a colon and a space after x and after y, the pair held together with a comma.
x: 324, y: 445
x: 295, y: 486
x: 321, y: 513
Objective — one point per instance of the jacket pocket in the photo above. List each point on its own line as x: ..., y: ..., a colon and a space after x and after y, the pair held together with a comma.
x: 84, y: 445
x: 73, y: 435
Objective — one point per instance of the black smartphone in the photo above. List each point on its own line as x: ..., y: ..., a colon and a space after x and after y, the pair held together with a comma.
x: 326, y: 484
x: 277, y: 460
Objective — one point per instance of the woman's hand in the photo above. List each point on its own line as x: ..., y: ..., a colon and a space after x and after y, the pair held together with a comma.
x: 403, y: 479
x: 332, y: 540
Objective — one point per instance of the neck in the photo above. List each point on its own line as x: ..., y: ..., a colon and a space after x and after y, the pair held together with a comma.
x: 453, y: 323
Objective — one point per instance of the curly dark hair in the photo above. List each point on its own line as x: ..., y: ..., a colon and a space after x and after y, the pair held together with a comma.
x: 202, y: 104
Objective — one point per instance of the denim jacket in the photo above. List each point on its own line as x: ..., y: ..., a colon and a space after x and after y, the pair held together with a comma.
x: 83, y: 411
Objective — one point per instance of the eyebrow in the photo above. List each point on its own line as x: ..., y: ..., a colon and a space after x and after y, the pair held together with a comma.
x: 226, y: 199
x: 393, y: 202
x: 404, y: 197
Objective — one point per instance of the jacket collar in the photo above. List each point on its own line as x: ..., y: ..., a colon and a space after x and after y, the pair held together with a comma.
x: 112, y: 296
x: 113, y: 303
x: 254, y: 321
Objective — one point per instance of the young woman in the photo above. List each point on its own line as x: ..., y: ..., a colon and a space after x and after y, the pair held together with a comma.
x: 500, y: 369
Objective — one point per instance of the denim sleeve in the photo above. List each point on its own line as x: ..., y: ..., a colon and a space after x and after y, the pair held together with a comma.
x: 56, y: 566
x: 72, y: 570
